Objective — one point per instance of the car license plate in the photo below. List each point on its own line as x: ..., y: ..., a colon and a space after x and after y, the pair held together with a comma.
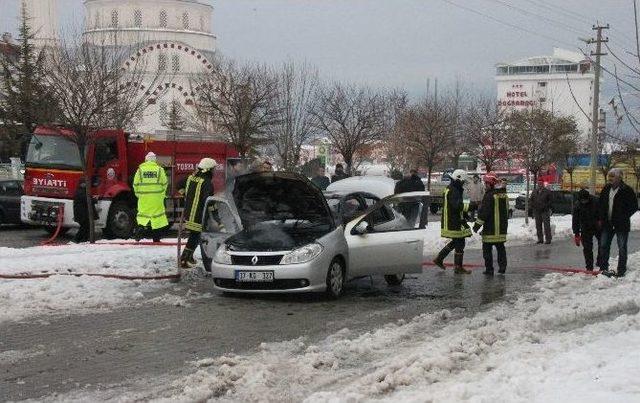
x: 254, y: 276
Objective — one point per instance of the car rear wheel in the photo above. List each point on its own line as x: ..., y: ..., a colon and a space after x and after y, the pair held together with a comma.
x: 335, y: 279
x: 394, y: 279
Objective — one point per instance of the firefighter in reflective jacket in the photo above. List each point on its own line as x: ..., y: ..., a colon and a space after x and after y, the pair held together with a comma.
x: 493, y: 217
x: 454, y: 224
x: 198, y: 187
x: 150, y: 187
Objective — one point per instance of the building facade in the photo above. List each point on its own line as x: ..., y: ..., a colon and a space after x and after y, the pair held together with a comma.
x: 171, y: 39
x: 561, y: 83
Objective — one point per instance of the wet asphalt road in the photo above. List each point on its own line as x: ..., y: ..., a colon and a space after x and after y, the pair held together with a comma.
x: 119, y: 346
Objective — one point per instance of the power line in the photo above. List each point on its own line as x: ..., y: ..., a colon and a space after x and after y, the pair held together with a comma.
x: 562, y: 10
x: 542, y: 17
x: 499, y: 21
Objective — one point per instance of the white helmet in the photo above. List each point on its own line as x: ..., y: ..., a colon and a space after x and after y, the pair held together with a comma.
x: 207, y: 163
x: 459, y: 175
x: 151, y: 156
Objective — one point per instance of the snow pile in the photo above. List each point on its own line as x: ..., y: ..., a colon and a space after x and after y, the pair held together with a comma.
x: 574, y: 338
x: 519, y: 232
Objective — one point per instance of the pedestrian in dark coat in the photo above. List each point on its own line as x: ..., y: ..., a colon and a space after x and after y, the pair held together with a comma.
x: 618, y: 202
x: 585, y: 226
x: 198, y: 188
x: 493, y: 217
x: 411, y: 183
x: 339, y: 174
x: 453, y: 224
x: 81, y: 213
x: 541, y: 207
x: 320, y: 179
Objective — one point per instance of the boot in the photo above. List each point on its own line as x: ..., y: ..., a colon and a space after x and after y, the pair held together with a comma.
x: 439, y: 260
x: 502, y: 270
x: 458, y: 268
x: 488, y: 271
x: 186, y: 259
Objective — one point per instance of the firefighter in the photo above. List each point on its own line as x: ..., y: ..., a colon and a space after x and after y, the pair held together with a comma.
x: 198, y: 187
x: 493, y: 217
x: 454, y: 224
x: 150, y: 186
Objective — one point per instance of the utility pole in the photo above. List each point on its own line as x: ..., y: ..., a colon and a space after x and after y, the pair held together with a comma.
x: 596, y: 103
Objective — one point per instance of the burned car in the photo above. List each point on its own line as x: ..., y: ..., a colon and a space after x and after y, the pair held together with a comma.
x: 275, y: 232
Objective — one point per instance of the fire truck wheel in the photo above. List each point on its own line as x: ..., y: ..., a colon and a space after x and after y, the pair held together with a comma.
x: 121, y: 221
x: 51, y: 229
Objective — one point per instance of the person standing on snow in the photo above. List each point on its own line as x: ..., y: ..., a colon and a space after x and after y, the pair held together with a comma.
x: 339, y: 174
x: 585, y: 226
x: 541, y: 207
x: 453, y: 224
x: 80, y: 212
x: 197, y: 189
x: 320, y: 179
x: 410, y: 183
x: 617, y: 204
x: 476, y: 193
x: 493, y: 217
x: 150, y: 187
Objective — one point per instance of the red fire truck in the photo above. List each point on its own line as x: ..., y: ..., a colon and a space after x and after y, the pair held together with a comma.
x: 53, y: 170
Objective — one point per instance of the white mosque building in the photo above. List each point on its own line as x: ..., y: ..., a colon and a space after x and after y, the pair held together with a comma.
x: 172, y: 37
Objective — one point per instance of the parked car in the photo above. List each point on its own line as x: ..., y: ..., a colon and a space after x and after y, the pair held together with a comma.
x: 10, y: 193
x: 275, y: 232
x: 560, y: 202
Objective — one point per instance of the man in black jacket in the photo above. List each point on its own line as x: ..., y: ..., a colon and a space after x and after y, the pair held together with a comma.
x: 339, y: 174
x: 411, y: 183
x: 198, y: 188
x: 320, y: 179
x: 618, y: 202
x: 541, y: 207
x: 80, y: 212
x: 585, y: 226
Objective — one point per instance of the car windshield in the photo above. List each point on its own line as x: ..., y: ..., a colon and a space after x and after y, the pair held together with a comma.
x: 53, y: 151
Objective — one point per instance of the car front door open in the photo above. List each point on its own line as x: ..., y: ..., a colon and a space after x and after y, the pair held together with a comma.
x: 389, y: 239
x: 220, y: 221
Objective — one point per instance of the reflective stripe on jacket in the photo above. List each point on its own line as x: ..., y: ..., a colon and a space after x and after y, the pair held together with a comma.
x: 150, y: 187
x: 494, y: 216
x: 453, y: 221
x: 197, y: 189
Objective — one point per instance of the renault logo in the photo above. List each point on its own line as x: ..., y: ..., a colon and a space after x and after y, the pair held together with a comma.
x: 254, y: 260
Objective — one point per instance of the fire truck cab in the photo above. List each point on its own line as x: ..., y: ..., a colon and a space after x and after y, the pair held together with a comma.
x: 53, y: 171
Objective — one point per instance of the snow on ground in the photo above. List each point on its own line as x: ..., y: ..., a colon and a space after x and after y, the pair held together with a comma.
x: 71, y: 294
x: 574, y: 338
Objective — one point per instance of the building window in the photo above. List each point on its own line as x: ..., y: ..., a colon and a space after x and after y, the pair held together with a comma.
x: 185, y: 20
x: 137, y: 18
x: 163, y: 19
x: 162, y: 62
x: 175, y: 63
x: 114, y: 18
x: 542, y: 84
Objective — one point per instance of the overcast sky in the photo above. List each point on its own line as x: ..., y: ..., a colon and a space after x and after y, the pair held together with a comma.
x: 397, y: 43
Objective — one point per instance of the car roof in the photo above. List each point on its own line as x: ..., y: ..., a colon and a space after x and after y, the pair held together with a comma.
x: 379, y: 186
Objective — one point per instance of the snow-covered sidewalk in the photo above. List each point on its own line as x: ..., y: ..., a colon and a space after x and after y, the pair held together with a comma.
x: 573, y: 338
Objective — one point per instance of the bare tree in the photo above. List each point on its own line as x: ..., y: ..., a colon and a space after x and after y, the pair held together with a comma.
x: 294, y: 124
x: 238, y: 101
x: 459, y: 138
x: 94, y: 87
x: 174, y: 120
x: 400, y: 158
x: 484, y: 124
x: 352, y: 117
x: 428, y: 127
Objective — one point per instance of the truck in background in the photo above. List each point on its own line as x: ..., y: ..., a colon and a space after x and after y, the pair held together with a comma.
x: 53, y: 170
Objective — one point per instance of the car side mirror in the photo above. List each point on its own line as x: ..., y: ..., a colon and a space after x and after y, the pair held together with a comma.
x: 362, y: 228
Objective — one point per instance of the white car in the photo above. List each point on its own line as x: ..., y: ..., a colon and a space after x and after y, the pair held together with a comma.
x: 275, y: 233
x: 380, y: 186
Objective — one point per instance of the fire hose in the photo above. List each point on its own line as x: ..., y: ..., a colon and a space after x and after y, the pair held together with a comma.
x: 60, y: 219
x: 113, y: 276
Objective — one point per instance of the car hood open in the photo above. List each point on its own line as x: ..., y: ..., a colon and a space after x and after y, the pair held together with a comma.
x: 262, y: 197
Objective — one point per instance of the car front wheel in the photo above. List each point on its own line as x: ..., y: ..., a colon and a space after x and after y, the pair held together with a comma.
x: 394, y: 279
x: 335, y: 279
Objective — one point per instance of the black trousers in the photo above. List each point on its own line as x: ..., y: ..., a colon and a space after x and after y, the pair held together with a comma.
x: 457, y: 244
x: 193, y: 240
x: 587, y: 250
x: 487, y: 253
x: 156, y: 234
x: 83, y: 232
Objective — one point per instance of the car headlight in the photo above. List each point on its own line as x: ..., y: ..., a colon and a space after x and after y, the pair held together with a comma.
x: 302, y: 255
x: 222, y: 256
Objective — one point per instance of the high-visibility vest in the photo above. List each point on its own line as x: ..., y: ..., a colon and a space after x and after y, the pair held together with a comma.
x: 494, y: 216
x: 197, y: 189
x: 453, y: 210
x: 150, y: 187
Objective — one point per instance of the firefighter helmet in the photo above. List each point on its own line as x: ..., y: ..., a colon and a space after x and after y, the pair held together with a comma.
x: 490, y: 179
x: 460, y: 175
x: 207, y: 163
